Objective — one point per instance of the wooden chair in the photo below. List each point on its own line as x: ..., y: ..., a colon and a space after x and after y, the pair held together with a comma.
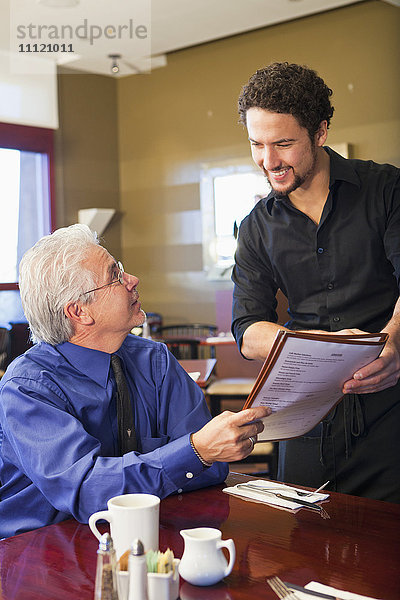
x: 5, y: 349
x: 154, y: 321
x: 188, y: 330
x: 183, y: 340
x: 229, y: 388
x: 183, y: 348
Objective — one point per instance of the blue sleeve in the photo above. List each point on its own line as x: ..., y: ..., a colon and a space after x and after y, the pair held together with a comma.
x: 48, y: 445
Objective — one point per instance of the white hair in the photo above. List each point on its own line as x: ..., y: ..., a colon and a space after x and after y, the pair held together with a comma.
x: 51, y: 274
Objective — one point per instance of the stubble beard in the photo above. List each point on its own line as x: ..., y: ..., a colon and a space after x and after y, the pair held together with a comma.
x: 298, y: 179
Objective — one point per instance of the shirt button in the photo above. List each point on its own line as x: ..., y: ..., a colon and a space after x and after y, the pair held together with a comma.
x: 336, y: 319
x: 189, y: 475
x: 330, y: 286
x: 320, y: 250
x: 180, y: 491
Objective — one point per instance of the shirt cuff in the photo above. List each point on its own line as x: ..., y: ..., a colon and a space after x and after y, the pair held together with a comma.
x: 180, y: 462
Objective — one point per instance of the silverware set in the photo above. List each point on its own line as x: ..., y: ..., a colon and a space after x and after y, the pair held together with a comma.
x: 269, y: 491
x: 280, y: 589
x: 284, y: 592
x: 301, y: 493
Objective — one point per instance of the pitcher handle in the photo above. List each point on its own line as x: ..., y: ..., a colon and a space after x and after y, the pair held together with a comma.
x: 230, y: 546
x: 102, y: 514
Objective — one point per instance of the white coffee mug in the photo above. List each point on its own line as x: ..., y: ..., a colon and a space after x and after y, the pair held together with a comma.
x: 131, y: 516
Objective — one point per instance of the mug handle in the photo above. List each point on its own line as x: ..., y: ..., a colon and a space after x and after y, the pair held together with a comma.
x: 102, y: 514
x: 230, y: 546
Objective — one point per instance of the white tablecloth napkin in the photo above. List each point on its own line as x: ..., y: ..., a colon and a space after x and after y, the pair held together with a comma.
x: 271, y: 500
x: 326, y: 589
x: 194, y: 375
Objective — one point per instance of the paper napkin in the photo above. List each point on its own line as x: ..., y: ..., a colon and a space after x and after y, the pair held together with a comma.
x: 194, y: 375
x: 271, y: 500
x: 326, y: 589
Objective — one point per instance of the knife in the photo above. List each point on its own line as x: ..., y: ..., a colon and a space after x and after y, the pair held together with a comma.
x: 299, y: 588
x: 261, y: 490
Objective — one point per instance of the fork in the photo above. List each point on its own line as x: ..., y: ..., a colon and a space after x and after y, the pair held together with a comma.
x: 261, y: 490
x: 300, y: 493
x: 321, y: 487
x: 280, y: 589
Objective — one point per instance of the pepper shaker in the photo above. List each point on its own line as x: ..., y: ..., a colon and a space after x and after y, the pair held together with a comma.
x: 137, y: 568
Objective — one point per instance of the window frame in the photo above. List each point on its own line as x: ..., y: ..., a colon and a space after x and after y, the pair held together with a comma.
x: 30, y: 139
x: 210, y: 170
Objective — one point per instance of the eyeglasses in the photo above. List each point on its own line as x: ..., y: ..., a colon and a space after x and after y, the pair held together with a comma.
x: 119, y: 279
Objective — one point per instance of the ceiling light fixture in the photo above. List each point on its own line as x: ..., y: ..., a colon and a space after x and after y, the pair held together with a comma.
x: 114, y: 64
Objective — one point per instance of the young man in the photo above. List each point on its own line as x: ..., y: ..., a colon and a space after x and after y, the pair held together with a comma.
x: 65, y: 449
x: 328, y: 235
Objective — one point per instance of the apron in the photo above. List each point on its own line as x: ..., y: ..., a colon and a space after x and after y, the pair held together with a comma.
x: 356, y: 447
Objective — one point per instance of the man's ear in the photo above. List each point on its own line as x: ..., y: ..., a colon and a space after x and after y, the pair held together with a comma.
x: 78, y: 313
x: 322, y: 133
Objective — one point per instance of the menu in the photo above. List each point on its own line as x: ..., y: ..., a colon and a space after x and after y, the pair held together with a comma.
x: 302, y: 378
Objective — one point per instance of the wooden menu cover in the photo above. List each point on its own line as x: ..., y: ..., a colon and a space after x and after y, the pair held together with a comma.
x: 301, y: 379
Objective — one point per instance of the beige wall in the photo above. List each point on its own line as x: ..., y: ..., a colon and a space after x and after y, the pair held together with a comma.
x: 173, y: 120
x: 158, y: 129
x: 87, y: 172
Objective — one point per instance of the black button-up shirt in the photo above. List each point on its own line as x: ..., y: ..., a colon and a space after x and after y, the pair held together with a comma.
x: 342, y: 273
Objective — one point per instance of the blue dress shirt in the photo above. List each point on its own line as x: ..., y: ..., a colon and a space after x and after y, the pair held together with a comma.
x: 59, y: 436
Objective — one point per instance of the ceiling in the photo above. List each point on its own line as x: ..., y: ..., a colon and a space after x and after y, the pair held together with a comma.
x: 142, y: 32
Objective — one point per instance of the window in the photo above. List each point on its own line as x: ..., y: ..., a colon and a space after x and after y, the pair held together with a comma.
x: 25, y: 194
x: 228, y: 192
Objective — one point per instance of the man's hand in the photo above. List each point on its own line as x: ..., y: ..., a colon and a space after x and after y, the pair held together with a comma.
x: 226, y: 437
x: 382, y: 373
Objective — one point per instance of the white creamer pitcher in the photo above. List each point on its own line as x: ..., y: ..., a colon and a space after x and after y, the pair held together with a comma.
x: 203, y: 562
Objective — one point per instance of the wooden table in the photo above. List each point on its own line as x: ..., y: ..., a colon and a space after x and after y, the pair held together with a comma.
x: 357, y: 549
x: 210, y: 342
x: 204, y: 366
x: 218, y: 340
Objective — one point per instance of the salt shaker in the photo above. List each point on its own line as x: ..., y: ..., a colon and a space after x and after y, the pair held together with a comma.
x: 137, y: 568
x: 106, y: 576
x: 146, y: 330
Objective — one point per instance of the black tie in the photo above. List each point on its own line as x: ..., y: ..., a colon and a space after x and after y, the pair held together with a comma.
x: 126, y: 428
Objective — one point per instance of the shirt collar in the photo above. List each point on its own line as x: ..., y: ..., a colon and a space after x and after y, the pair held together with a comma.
x: 341, y: 169
x: 92, y: 363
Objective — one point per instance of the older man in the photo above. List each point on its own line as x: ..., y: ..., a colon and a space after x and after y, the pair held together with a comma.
x: 67, y: 445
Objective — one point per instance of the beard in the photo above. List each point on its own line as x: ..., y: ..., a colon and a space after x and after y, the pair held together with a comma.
x: 299, y: 179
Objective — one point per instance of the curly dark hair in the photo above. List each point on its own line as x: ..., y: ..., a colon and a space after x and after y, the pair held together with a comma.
x: 290, y: 89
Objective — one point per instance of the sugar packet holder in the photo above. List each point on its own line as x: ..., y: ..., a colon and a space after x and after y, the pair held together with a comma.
x: 160, y: 586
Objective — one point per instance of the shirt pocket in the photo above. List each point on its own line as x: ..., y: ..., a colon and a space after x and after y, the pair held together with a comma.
x: 148, y: 444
